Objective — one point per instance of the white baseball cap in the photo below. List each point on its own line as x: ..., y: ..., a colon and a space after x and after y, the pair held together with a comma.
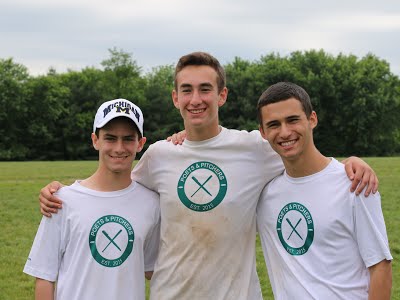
x: 118, y: 108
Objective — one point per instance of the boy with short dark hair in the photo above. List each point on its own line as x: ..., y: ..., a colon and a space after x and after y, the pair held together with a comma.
x: 320, y: 241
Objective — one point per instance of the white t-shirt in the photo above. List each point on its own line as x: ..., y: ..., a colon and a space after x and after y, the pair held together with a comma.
x: 318, y: 238
x: 208, y: 196
x: 99, y: 245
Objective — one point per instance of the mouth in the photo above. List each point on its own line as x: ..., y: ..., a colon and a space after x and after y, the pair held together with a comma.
x: 287, y: 144
x: 119, y: 157
x: 196, y: 111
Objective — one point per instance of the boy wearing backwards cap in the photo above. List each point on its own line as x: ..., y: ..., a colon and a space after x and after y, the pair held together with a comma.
x: 107, y: 235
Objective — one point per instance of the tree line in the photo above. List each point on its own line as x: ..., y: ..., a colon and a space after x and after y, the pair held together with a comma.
x: 50, y: 117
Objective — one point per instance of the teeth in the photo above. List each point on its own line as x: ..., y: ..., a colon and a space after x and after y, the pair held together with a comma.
x: 196, y: 111
x: 285, y: 144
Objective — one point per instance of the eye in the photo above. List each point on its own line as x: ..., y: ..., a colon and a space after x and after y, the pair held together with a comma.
x: 206, y: 88
x: 272, y: 125
x: 293, y: 120
x: 186, y: 90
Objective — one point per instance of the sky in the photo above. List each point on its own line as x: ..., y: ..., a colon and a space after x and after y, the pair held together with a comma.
x: 74, y: 34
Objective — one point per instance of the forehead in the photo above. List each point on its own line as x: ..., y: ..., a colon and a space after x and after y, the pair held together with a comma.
x: 282, y: 109
x: 121, y: 124
x: 196, y: 75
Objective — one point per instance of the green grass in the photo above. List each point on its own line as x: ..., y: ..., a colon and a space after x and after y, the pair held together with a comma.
x: 20, y: 183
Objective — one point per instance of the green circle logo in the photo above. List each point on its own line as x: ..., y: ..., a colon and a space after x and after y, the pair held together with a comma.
x: 202, y: 186
x: 295, y: 228
x: 111, y: 240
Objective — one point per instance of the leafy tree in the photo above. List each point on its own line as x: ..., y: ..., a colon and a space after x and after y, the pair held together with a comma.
x: 86, y: 93
x: 14, y: 116
x: 161, y: 117
x: 122, y: 77
x: 47, y: 108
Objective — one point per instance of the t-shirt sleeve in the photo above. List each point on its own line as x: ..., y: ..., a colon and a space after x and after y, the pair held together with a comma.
x: 142, y: 171
x: 370, y: 229
x: 272, y: 161
x: 152, y: 243
x: 45, y: 255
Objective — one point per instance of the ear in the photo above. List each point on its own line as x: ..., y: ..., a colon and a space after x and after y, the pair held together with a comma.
x: 95, y: 141
x: 175, y: 98
x: 313, y: 119
x: 142, y: 141
x: 262, y: 132
x: 223, y: 95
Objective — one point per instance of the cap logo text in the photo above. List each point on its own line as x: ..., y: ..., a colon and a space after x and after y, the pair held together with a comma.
x: 122, y: 106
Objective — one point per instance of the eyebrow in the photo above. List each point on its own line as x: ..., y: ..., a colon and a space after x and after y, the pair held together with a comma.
x: 291, y: 117
x: 271, y: 122
x: 112, y: 135
x: 204, y: 84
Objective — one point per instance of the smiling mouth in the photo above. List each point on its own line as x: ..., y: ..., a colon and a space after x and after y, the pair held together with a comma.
x: 196, y: 111
x: 119, y: 157
x: 287, y: 143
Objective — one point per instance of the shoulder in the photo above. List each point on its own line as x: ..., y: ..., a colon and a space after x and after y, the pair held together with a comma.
x: 162, y: 147
x: 150, y: 201
x: 274, y: 184
x: 253, y: 135
x: 248, y: 139
x: 68, y: 191
x: 336, y: 170
x: 146, y: 194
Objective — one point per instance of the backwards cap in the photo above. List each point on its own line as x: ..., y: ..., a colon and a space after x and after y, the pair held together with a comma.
x: 118, y: 108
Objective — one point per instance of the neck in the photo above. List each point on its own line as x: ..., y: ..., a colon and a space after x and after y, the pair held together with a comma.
x: 106, y: 181
x: 200, y: 134
x: 306, y: 165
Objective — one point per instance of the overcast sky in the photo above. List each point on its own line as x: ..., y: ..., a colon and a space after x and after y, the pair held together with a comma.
x: 73, y: 34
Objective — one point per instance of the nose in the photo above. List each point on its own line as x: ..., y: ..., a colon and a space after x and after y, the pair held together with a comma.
x: 285, y: 131
x: 119, y: 146
x: 196, y: 98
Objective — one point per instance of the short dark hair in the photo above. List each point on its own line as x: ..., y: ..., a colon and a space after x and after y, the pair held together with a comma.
x: 124, y: 119
x: 282, y: 91
x: 201, y: 59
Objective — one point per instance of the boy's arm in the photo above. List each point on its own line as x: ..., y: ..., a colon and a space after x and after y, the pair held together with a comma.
x: 44, y: 289
x: 380, y: 280
x: 359, y: 172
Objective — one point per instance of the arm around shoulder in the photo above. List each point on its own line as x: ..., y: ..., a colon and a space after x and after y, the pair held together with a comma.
x: 48, y: 203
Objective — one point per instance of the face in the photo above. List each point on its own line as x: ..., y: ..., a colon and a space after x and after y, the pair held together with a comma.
x: 287, y: 129
x: 198, y: 99
x: 118, y: 143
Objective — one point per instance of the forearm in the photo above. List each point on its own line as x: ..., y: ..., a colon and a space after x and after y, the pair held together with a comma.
x: 44, y: 290
x: 380, y: 281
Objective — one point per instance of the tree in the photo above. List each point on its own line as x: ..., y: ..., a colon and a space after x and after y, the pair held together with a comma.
x: 122, y: 77
x: 14, y: 117
x: 161, y: 117
x: 47, y: 99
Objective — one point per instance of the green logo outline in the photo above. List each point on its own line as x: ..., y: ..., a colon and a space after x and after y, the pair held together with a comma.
x: 310, y: 228
x: 111, y: 263
x: 223, y: 186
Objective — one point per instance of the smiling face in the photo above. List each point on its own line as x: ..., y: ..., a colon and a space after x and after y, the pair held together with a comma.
x: 117, y: 142
x: 198, y: 100
x: 286, y: 127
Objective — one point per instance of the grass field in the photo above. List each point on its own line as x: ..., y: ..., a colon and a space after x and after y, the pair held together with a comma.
x: 20, y: 183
